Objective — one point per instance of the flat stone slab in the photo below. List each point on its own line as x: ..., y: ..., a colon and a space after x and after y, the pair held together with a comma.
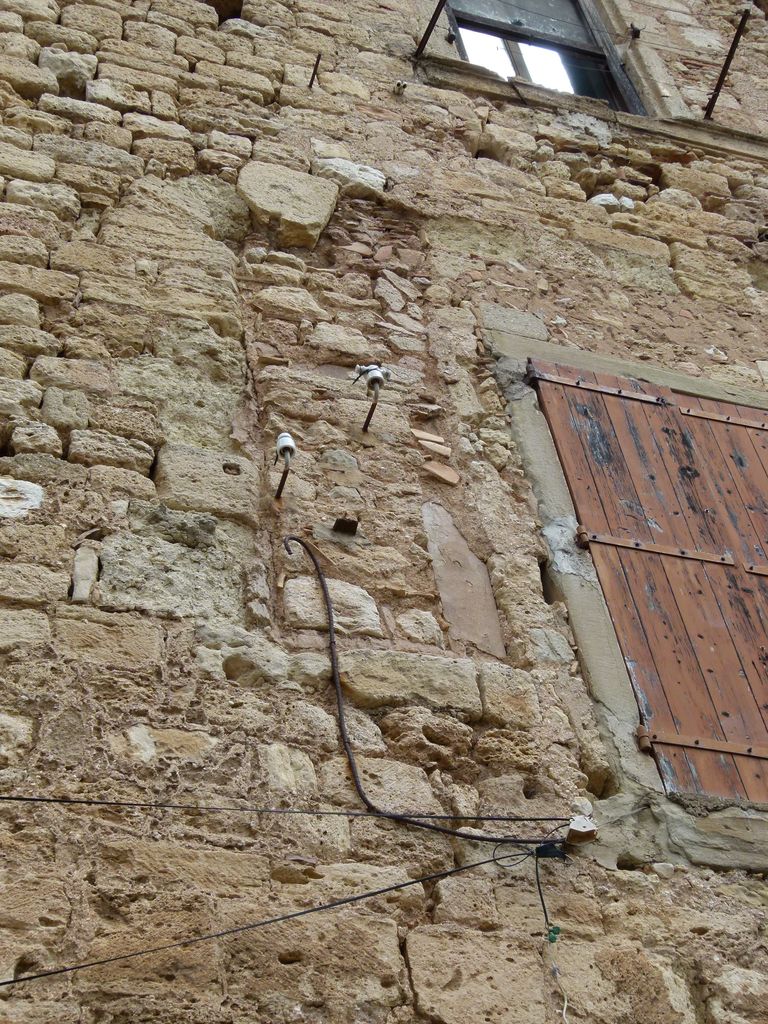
x: 463, y: 582
x: 301, y: 203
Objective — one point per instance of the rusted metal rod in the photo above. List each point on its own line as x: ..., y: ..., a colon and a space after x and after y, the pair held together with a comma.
x: 283, y: 478
x: 727, y: 65
x: 372, y: 410
x: 315, y: 69
x: 430, y: 29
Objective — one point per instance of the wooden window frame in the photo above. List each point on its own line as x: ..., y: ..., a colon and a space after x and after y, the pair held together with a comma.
x: 623, y: 94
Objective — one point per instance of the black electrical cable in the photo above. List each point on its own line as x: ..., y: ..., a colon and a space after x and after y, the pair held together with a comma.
x: 541, y: 891
x: 221, y: 809
x: 334, y: 904
x: 342, y: 722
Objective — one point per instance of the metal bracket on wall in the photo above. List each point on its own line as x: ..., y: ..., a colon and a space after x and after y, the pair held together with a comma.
x: 584, y: 538
x: 720, y: 418
x: 585, y: 385
x: 647, y: 738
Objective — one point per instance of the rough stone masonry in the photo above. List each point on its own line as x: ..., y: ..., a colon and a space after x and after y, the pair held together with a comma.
x: 195, y: 251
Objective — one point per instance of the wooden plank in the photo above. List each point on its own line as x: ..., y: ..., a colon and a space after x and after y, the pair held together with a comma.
x: 721, y: 665
x: 657, y: 582
x: 621, y: 591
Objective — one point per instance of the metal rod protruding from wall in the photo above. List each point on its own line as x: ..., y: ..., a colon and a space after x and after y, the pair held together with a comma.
x: 284, y: 477
x: 315, y: 69
x: 727, y: 65
x: 372, y: 410
x: 430, y: 29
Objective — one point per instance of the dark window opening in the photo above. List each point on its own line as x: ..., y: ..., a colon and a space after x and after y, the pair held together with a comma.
x: 558, y: 44
x: 226, y: 9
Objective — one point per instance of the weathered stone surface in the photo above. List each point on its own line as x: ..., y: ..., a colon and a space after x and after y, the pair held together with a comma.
x: 378, y: 678
x: 16, y: 732
x: 147, y: 744
x: 355, y: 611
x: 355, y: 180
x: 509, y: 696
x: 59, y: 199
x: 150, y: 574
x: 43, y: 285
x: 192, y: 478
x: 421, y: 627
x: 72, y: 374
x: 16, y: 163
x: 302, y: 205
x: 72, y: 70
x: 35, y: 437
x: 488, y: 968
x: 26, y: 78
x: 32, y: 584
x: 22, y: 628
x: 289, y: 304
x: 124, y: 641
x: 18, y: 497
x: 465, y: 588
x: 99, y: 448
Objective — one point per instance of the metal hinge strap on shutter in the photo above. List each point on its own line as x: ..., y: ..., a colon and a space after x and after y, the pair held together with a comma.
x: 718, y: 417
x: 585, y: 385
x: 585, y: 537
x: 647, y: 738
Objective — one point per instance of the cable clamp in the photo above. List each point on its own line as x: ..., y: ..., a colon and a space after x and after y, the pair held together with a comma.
x: 552, y: 933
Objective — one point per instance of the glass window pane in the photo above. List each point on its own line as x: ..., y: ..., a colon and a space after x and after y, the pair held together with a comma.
x: 545, y: 67
x: 558, y: 18
x: 488, y: 51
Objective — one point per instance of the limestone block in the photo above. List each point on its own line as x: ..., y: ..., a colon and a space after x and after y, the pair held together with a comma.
x: 99, y: 448
x: 43, y: 285
x: 35, y: 437
x: 18, y: 249
x: 59, y: 199
x: 143, y: 127
x: 509, y: 696
x: 19, y: 163
x: 146, y: 744
x: 302, y: 204
x: 294, y: 304
x: 73, y: 374
x: 18, y: 395
x: 16, y: 44
x: 26, y: 78
x: 93, y: 154
x: 99, y: 22
x: 451, y: 968
x: 421, y: 627
x: 392, y: 785
x: 355, y: 610
x: 78, y: 111
x: 65, y: 409
x: 711, y: 189
x: 85, y: 570
x: 48, y: 470
x: 18, y: 497
x: 12, y: 365
x: 32, y: 10
x: 29, y: 341
x: 239, y: 80
x: 48, y: 34
x: 22, y: 628
x: 121, y: 483
x: 235, y: 144
x: 16, y: 731
x: 178, y: 158
x: 343, y: 341
x: 286, y: 769
x: 506, y: 145
x: 72, y: 70
x: 207, y: 481
x: 120, y: 96
x: 377, y: 678
x: 355, y: 180
x: 467, y: 901
x: 463, y: 582
x: 23, y: 220
x: 708, y: 275
x: 150, y: 574
x: 21, y: 310
x: 124, y: 641
x: 32, y: 584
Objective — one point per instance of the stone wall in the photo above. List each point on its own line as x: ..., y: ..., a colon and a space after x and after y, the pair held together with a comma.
x: 195, y: 251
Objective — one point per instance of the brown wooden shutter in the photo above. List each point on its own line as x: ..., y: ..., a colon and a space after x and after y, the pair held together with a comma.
x: 672, y: 495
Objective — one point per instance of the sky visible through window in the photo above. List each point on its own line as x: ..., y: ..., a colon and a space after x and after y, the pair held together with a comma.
x: 545, y: 65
